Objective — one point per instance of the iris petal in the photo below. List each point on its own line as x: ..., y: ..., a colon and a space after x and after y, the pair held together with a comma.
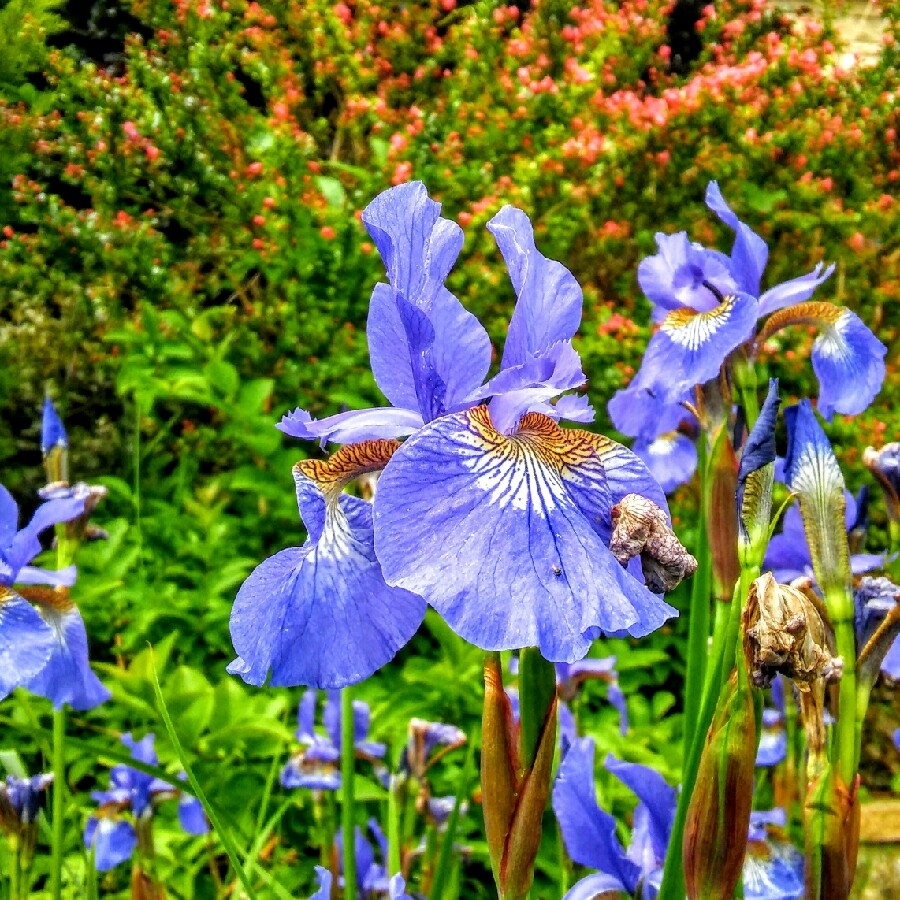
x: 113, y: 841
x: 796, y: 290
x: 639, y: 412
x: 847, y: 357
x: 589, y: 832
x: 690, y: 347
x: 500, y: 535
x: 749, y: 253
x: 548, y: 305
x: 594, y: 886
x: 352, y: 426
x: 414, y: 365
x: 657, y: 796
x: 67, y: 677
x: 671, y: 459
x: 773, y: 870
x: 812, y: 472
x: 321, y: 614
x: 26, y: 641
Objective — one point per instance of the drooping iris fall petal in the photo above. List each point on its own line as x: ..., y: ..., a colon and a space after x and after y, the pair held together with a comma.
x: 502, y: 535
x: 321, y: 614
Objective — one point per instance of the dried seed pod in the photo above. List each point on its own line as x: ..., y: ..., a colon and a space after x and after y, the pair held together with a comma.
x: 640, y: 528
x: 785, y: 632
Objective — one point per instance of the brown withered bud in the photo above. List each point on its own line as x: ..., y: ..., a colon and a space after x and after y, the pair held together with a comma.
x: 785, y: 631
x: 640, y: 529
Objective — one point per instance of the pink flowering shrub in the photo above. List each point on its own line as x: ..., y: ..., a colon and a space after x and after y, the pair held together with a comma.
x: 216, y: 172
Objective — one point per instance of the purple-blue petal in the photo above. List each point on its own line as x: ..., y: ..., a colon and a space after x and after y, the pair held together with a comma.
x: 67, y: 677
x: 787, y: 555
x: 548, y: 298
x: 593, y: 886
x: 772, y: 748
x: 22, y: 547
x: 325, y: 778
x: 657, y: 796
x: 638, y: 411
x: 773, y: 870
x: 467, y: 517
x: 321, y: 614
x: 409, y: 360
x: 306, y: 717
x: 191, y: 816
x: 326, y: 880
x: 890, y: 665
x: 354, y: 425
x: 671, y: 459
x: 849, y: 362
x: 616, y: 697
x: 589, y: 833
x: 797, y: 290
x: 749, y: 253
x: 26, y: 642
x: 113, y: 841
x: 678, y: 276
x: 53, y: 577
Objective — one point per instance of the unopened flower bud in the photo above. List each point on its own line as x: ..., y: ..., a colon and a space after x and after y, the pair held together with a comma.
x: 784, y: 631
x: 718, y: 817
x: 640, y: 528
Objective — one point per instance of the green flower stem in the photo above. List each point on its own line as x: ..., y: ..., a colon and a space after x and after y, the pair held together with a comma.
x: 698, y: 638
x: 394, y: 840
x: 845, y: 752
x: 59, y: 808
x: 348, y: 770
x: 445, y: 860
x: 15, y: 870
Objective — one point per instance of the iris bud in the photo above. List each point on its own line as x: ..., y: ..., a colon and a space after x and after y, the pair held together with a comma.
x: 718, y: 817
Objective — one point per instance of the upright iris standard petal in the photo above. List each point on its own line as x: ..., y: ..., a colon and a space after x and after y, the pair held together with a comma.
x: 589, y: 832
x: 548, y: 304
x: 67, y: 678
x: 539, y: 362
x: 671, y: 459
x: 847, y: 357
x: 18, y: 548
x: 680, y: 274
x: 321, y: 614
x: 424, y: 346
x: 690, y: 347
x: 468, y: 517
x: 26, y: 641
x: 812, y: 472
x: 749, y: 253
x: 191, y: 816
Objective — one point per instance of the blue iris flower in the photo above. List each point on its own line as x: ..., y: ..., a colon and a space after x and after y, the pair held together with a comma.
x: 709, y: 303
x: 317, y: 765
x: 873, y: 599
x: 43, y: 649
x: 112, y: 837
x: 488, y: 498
x: 589, y: 834
x: 372, y: 877
x: 20, y: 800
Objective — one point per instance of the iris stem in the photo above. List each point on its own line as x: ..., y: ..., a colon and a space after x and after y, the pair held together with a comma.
x: 59, y: 787
x: 348, y: 770
x: 394, y: 838
x: 698, y: 637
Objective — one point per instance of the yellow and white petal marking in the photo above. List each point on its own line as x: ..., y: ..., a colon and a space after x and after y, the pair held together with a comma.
x: 692, y: 330
x: 333, y: 474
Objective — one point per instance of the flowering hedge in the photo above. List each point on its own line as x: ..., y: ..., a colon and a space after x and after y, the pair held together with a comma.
x: 185, y: 226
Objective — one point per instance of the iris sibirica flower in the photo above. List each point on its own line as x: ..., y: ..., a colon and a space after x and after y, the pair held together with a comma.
x: 114, y: 838
x: 877, y: 612
x: 317, y: 765
x: 372, y: 877
x: 43, y: 648
x: 709, y: 304
x: 773, y: 870
x: 489, y: 511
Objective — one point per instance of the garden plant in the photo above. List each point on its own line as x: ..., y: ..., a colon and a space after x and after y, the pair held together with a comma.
x: 468, y: 397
